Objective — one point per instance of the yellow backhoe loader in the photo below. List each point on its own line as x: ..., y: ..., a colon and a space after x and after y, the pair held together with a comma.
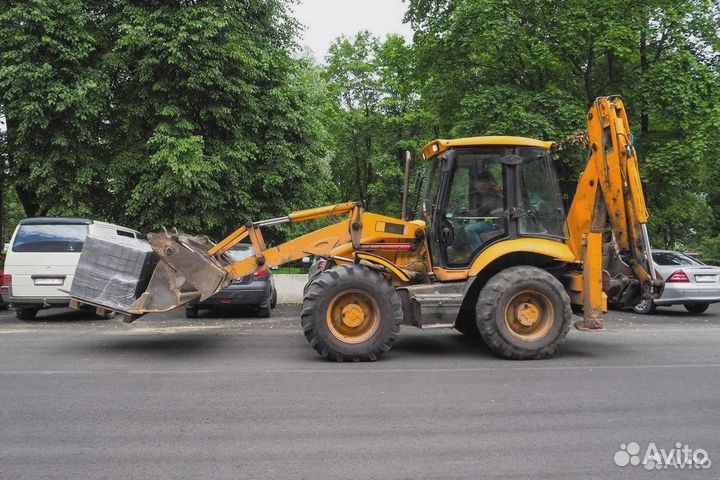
x: 494, y: 254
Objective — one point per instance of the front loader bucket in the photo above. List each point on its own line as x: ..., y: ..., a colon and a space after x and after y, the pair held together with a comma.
x: 121, y: 278
x: 184, y: 273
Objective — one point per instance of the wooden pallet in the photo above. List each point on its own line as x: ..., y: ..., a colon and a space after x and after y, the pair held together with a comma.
x: 103, y: 311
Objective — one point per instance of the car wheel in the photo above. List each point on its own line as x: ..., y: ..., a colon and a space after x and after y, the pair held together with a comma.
x: 273, y: 300
x: 26, y: 313
x: 191, y: 312
x: 696, y: 307
x: 263, y: 312
x: 645, y: 307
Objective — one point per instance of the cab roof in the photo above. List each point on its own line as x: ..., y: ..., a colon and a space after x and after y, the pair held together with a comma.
x: 436, y: 147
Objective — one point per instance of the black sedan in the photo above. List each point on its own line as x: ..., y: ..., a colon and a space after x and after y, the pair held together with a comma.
x: 254, y: 291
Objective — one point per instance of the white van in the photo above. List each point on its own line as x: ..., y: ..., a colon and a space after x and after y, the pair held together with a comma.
x: 42, y: 257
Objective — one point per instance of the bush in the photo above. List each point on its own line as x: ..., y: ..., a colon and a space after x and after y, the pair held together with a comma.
x: 710, y: 250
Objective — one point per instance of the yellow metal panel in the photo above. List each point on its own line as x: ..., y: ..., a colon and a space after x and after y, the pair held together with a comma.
x: 320, y: 212
x: 438, y: 146
x: 445, y: 275
x: 593, y: 302
x: 551, y: 248
x: 385, y: 263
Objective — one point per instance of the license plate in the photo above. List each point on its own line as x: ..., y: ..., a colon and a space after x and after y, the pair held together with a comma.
x: 49, y: 281
x: 706, y: 278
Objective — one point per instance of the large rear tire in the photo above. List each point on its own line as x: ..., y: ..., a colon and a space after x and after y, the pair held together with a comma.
x: 523, y: 313
x: 351, y: 313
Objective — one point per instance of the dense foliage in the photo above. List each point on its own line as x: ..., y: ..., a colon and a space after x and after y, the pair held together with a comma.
x: 187, y: 114
x: 200, y: 114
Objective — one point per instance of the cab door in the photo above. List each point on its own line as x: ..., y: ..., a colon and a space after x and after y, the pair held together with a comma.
x: 472, y: 206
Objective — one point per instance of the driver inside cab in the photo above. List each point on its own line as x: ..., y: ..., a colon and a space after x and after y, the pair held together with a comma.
x: 487, y: 202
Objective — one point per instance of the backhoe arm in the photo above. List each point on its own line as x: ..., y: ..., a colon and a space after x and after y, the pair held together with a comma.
x: 609, y: 194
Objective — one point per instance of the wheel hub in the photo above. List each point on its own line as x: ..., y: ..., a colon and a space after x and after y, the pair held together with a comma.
x: 527, y: 314
x: 352, y: 315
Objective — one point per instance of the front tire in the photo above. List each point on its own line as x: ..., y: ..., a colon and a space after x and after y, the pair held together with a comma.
x: 645, y: 307
x: 191, y: 312
x: 26, y: 313
x: 696, y: 307
x: 523, y: 313
x: 351, y: 313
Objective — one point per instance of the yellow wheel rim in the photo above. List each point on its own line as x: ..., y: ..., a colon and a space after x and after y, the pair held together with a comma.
x: 529, y: 315
x: 353, y: 316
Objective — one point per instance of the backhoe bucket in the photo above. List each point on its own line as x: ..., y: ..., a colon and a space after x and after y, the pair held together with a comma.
x: 183, y: 272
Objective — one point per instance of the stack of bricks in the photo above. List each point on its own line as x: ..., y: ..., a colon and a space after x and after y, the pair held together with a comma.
x: 113, y: 271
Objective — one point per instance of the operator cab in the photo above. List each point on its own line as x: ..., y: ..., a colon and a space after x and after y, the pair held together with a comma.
x: 484, y: 190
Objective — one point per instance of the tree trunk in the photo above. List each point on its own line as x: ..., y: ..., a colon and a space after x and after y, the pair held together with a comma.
x: 644, y: 65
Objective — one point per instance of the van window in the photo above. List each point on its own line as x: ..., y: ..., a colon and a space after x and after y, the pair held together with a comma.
x: 50, y: 238
x: 123, y: 233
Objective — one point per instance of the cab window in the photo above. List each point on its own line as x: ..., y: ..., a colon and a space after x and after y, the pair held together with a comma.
x: 541, y: 210
x: 474, y: 214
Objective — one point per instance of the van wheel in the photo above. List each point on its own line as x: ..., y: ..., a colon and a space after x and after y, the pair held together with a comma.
x: 523, y: 313
x: 26, y: 313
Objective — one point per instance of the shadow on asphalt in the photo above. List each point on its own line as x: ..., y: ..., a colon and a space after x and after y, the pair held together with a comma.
x: 171, y: 346
x: 228, y: 312
x: 65, y: 315
x: 451, y: 344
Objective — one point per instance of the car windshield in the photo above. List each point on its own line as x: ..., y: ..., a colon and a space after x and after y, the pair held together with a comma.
x: 50, y: 238
x: 240, y: 252
x: 674, y: 258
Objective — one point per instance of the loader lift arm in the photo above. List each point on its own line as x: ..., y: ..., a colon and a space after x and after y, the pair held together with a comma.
x: 188, y: 261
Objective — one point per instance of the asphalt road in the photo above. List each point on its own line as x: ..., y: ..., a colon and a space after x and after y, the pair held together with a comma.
x: 235, y: 398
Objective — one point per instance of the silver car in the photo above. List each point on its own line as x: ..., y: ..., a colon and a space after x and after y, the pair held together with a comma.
x: 688, y: 282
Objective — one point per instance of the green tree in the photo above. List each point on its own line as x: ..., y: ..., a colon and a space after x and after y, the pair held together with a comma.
x: 53, y: 92
x: 375, y: 118
x: 533, y: 68
x: 217, y: 123
x: 152, y: 113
